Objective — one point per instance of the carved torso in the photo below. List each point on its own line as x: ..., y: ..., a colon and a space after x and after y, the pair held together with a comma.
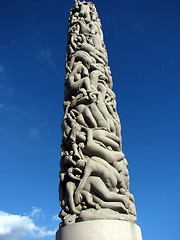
x: 94, y: 177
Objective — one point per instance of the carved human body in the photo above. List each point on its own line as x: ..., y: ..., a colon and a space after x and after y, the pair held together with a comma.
x: 94, y: 175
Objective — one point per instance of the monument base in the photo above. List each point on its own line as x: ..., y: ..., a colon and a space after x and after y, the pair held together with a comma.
x: 100, y: 230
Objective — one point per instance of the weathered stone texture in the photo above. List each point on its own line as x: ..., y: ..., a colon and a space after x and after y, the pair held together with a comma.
x: 94, y: 180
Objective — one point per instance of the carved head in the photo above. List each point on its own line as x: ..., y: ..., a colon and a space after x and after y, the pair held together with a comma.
x: 81, y: 163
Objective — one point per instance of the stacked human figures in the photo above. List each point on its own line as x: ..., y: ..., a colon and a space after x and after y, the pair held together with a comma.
x: 94, y: 180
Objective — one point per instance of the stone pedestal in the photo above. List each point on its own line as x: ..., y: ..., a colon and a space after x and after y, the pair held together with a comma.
x: 100, y: 230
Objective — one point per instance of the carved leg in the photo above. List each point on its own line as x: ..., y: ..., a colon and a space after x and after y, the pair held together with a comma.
x: 100, y: 188
x: 117, y: 206
x: 70, y: 186
x: 89, y: 199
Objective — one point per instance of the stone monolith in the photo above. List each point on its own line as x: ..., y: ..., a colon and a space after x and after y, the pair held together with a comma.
x: 94, y: 180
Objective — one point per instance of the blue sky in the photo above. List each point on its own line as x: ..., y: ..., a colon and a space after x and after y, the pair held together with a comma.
x: 142, y: 40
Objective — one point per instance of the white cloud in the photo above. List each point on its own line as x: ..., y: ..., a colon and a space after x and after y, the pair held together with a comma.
x: 16, y: 227
x: 44, y: 233
x: 35, y: 212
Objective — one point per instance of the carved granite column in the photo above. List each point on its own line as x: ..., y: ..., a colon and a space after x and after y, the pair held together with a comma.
x: 94, y: 180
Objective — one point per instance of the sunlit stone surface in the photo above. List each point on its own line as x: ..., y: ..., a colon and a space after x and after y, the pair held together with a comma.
x: 94, y: 180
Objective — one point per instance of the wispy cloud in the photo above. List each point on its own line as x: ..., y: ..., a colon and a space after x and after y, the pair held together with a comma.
x: 7, y: 90
x: 1, y: 105
x: 34, y: 133
x: 16, y: 227
x: 2, y: 74
x: 55, y: 218
x: 3, y: 46
x: 2, y: 70
x: 46, y: 55
x: 42, y: 232
x: 2, y: 80
x: 35, y: 212
x: 10, y: 91
x: 136, y: 27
